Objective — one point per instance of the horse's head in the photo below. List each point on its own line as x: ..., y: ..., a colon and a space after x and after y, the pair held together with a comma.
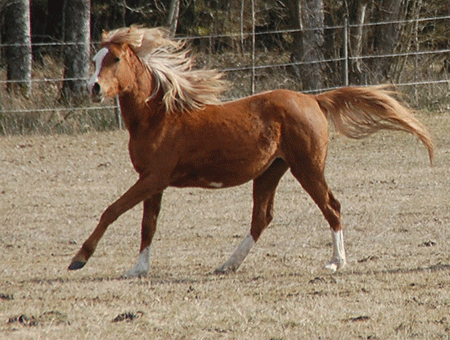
x: 147, y: 62
x: 115, y: 71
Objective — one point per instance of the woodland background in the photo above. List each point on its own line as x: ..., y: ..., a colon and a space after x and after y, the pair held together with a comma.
x: 306, y: 45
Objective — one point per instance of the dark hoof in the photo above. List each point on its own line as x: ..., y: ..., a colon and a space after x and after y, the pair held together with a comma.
x: 76, y: 265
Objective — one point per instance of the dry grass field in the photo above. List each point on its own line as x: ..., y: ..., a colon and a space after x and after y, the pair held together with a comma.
x: 395, y: 208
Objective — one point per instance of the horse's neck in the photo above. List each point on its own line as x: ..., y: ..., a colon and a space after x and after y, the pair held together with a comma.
x: 136, y: 108
x: 138, y: 112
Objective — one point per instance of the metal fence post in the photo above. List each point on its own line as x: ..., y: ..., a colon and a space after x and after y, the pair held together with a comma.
x: 345, y: 71
x: 117, y: 112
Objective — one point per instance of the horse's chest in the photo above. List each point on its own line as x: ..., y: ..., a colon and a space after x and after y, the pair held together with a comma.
x: 142, y: 155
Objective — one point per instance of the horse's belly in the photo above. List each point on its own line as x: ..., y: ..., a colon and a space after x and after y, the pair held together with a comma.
x: 222, y: 175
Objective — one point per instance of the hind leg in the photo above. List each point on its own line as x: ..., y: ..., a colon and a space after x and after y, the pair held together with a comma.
x: 263, y: 198
x: 311, y: 177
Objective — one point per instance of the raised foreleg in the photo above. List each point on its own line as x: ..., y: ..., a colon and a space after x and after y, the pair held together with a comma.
x: 263, y: 198
x: 145, y: 187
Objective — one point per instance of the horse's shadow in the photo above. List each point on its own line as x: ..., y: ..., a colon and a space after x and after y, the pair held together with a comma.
x: 161, y: 279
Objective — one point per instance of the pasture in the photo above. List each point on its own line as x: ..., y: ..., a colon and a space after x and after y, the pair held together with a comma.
x: 396, y: 216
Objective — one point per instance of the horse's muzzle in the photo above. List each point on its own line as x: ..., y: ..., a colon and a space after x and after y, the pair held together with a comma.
x: 96, y: 95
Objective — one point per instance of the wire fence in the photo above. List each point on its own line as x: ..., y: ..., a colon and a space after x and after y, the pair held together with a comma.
x: 427, y: 78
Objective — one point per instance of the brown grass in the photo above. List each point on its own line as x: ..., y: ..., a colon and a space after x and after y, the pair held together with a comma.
x: 395, y: 209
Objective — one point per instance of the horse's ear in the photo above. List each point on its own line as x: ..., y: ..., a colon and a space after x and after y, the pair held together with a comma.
x: 104, y: 34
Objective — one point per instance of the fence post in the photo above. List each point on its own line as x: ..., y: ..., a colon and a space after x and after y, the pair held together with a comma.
x: 416, y: 60
x: 117, y: 112
x: 345, y: 71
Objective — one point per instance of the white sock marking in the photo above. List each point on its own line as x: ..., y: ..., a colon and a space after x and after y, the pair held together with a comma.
x: 238, y: 255
x: 338, y: 260
x: 142, y: 265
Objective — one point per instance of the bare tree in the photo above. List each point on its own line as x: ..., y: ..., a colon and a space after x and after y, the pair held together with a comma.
x: 308, y: 17
x: 387, y: 34
x: 17, y: 37
x: 77, y: 51
x: 357, y: 13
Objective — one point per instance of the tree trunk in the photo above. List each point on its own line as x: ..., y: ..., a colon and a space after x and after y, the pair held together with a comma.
x: 18, y: 54
x: 357, y: 16
x: 77, y: 52
x: 387, y: 35
x: 308, y: 17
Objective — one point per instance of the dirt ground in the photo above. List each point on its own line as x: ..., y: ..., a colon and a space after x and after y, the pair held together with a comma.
x: 395, y: 209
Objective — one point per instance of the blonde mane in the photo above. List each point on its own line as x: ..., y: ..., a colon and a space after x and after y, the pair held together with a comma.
x: 171, y: 66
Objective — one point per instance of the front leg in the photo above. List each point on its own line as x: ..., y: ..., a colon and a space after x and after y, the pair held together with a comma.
x: 152, y: 207
x: 145, y: 187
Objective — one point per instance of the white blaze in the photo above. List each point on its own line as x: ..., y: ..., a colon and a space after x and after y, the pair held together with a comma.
x: 98, y: 60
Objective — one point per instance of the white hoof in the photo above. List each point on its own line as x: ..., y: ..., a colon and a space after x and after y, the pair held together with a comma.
x: 335, y: 264
x: 135, y: 272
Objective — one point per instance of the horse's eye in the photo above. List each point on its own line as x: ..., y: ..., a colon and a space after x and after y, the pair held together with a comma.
x: 116, y: 59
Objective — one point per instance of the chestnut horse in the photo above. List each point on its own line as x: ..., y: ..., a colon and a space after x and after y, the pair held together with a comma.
x: 181, y: 135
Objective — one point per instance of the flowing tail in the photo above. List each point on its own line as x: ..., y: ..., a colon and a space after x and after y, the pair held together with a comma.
x: 357, y: 112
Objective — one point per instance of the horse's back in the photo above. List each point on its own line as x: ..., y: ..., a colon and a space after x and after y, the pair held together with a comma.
x: 281, y: 104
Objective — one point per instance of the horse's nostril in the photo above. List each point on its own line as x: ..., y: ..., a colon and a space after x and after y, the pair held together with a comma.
x: 96, y: 89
